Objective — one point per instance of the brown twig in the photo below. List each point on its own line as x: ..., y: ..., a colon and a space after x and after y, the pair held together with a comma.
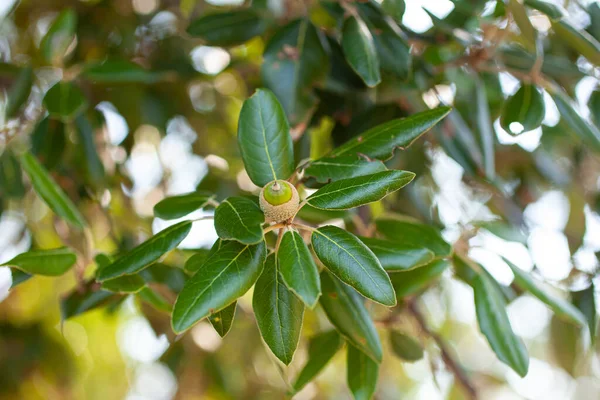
x: 449, y: 360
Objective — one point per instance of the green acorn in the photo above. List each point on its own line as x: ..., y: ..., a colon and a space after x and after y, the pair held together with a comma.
x: 279, y: 201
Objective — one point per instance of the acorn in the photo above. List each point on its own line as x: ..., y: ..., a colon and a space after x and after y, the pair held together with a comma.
x: 279, y: 201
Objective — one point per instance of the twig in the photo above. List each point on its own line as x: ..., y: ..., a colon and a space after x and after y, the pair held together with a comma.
x: 450, y: 362
x: 273, y: 227
x: 303, y: 227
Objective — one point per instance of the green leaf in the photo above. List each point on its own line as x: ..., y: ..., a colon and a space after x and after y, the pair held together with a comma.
x: 523, y: 111
x: 408, y: 283
x: 321, y: 349
x: 80, y: 300
x: 589, y: 133
x: 298, y: 269
x: 59, y: 37
x: 119, y: 71
x: 11, y: 176
x: 226, y: 275
x: 146, y: 253
x: 174, y: 207
x: 288, y: 67
x: 48, y: 142
x: 560, y: 307
x: 19, y: 277
x: 405, y: 347
x: 93, y: 164
x: 578, y: 39
x: 379, y: 142
x: 346, y: 310
x: 222, y: 320
x: 239, y: 218
x: 195, y: 262
x: 278, y: 312
x: 362, y: 374
x: 53, y: 262
x: 484, y: 125
x: 358, y: 191
x: 594, y: 106
x: 65, y: 101
x: 394, y: 8
x: 396, y: 256
x: 172, y: 277
x: 125, y: 284
x: 522, y: 19
x: 585, y: 302
x: 410, y: 232
x: 359, y: 50
x: 551, y: 10
x: 19, y: 92
x: 495, y: 326
x: 228, y: 28
x: 351, y: 261
x: 155, y: 299
x: 264, y: 139
x: 50, y: 192
x: 335, y: 168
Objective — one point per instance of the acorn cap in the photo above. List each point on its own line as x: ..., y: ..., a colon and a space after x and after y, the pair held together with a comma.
x: 279, y: 201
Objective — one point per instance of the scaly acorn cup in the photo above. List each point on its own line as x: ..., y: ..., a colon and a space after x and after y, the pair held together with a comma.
x: 279, y: 201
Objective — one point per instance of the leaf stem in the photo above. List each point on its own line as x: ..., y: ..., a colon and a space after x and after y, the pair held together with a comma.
x: 273, y: 227
x: 303, y: 227
x: 202, y: 218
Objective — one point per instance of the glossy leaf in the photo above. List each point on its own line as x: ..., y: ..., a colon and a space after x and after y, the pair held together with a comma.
x: 553, y: 11
x: 19, y: 277
x: 410, y: 232
x: 589, y: 133
x: 65, y: 101
x: 50, y: 192
x: 19, y: 92
x: 53, y: 262
x: 155, y: 299
x: 581, y: 41
x: 119, y: 71
x: 394, y: 8
x: 93, y: 164
x: 362, y: 374
x: 352, y: 262
x: 495, y: 326
x: 172, y: 277
x: 298, y: 269
x: 585, y: 302
x: 408, y: 283
x: 560, y: 307
x: 223, y: 319
x: 228, y: 28
x: 354, y: 192
x: 396, y: 256
x: 239, y: 218
x: 524, y: 111
x: 59, y: 37
x: 174, y: 207
x: 522, y: 19
x: 195, y: 262
x: 124, y: 284
x: 226, y: 275
x: 80, y: 301
x: 346, y: 310
x: 321, y: 349
x: 359, y: 50
x: 146, y: 253
x: 291, y: 56
x: 379, y: 142
x: 335, y: 168
x: 278, y: 312
x: 264, y: 139
x: 405, y: 347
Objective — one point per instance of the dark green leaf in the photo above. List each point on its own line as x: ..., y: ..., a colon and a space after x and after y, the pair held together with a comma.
x: 522, y: 19
x: 19, y: 277
x: 379, y: 142
x: 585, y: 302
x: 50, y: 192
x: 278, y: 312
x: 362, y: 374
x: 396, y: 256
x: 410, y: 232
x: 581, y: 41
x: 79, y: 301
x: 351, y: 261
x: 53, y: 262
x: 172, y: 277
x: 359, y: 50
x: 358, y: 191
x: 264, y: 139
x: 11, y: 177
x: 346, y: 310
x: 228, y: 28
x: 239, y: 218
x: 551, y: 10
x: 560, y: 307
x: 334, y: 168
x: 59, y: 37
x: 298, y: 269
x: 119, y: 71
x: 406, y: 347
x: 484, y: 124
x: 394, y: 8
x: 64, y: 101
x: 523, y: 111
x: 594, y: 106
x: 179, y: 206
x: 146, y: 253
x: 155, y: 299
x: 589, y: 133
x: 19, y: 92
x: 291, y: 56
x: 48, y: 142
x: 93, y: 164
x: 408, y: 283
x: 124, y: 284
x: 318, y: 216
x: 321, y: 349
x: 222, y: 320
x: 495, y: 326
x: 195, y: 262
x: 226, y: 275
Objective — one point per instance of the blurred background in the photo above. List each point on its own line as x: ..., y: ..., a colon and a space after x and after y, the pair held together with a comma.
x: 174, y: 130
